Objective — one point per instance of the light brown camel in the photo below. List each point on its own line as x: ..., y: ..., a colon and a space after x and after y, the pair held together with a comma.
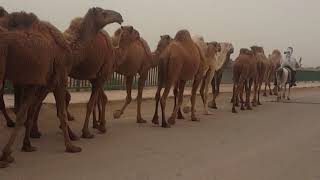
x: 178, y: 62
x: 43, y: 69
x: 96, y: 18
x: 137, y: 59
x: 268, y: 76
x: 93, y: 59
x: 210, y: 50
x: 275, y: 59
x: 224, y: 57
x: 262, y: 62
x: 244, y: 75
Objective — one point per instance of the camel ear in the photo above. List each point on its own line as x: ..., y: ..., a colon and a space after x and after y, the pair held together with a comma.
x: 121, y: 27
x: 131, y: 29
x: 161, y: 37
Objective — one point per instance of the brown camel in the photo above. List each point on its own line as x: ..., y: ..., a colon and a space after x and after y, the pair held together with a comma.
x: 32, y: 53
x: 58, y: 66
x: 224, y: 57
x: 270, y: 69
x: 178, y: 62
x: 137, y: 59
x: 262, y: 63
x: 244, y: 75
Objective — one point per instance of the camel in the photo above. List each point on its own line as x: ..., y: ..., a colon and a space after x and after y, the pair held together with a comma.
x: 244, y: 75
x: 33, y: 54
x: 93, y: 59
x: 49, y: 75
x: 137, y: 59
x: 262, y: 66
x: 178, y: 62
x: 223, y: 57
x: 275, y: 59
x: 209, y: 50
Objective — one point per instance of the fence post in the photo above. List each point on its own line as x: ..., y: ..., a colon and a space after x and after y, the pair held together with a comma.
x: 77, y: 85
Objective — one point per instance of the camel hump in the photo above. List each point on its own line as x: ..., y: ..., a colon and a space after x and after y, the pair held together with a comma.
x: 183, y: 35
x: 3, y: 12
x: 198, y: 38
x: 145, y: 46
x: 21, y: 20
x: 56, y: 35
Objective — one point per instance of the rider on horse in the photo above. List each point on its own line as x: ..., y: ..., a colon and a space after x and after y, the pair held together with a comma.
x: 291, y: 63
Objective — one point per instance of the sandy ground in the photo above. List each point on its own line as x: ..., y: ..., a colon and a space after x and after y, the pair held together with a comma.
x: 276, y: 141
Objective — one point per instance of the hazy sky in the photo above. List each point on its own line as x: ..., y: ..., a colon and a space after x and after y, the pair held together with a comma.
x: 270, y: 23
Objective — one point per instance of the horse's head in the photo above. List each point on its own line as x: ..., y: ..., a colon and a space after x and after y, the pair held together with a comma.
x: 288, y: 51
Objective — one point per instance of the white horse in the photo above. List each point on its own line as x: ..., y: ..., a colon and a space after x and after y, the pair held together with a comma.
x: 283, y: 77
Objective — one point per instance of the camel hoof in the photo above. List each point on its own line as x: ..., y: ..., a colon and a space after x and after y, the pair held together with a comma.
x: 259, y: 103
x: 73, y: 137
x: 270, y: 93
x: 165, y: 125
x: 265, y: 94
x: 11, y: 124
x: 95, y: 126
x: 4, y: 164
x: 186, y: 109
x: 171, y: 121
x: 7, y: 158
x: 242, y: 108
x: 180, y: 116
x: 71, y: 118
x: 288, y: 98
x: 87, y: 135
x: 73, y: 149
x: 141, y: 121
x: 234, y: 110
x: 28, y: 148
x: 117, y: 114
x: 102, y: 129
x: 35, y: 134
x: 155, y: 120
x: 195, y: 119
x: 249, y: 108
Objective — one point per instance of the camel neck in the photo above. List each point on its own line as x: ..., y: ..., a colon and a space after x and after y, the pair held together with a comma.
x: 87, y: 30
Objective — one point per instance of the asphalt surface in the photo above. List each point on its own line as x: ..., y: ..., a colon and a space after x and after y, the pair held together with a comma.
x: 275, y: 141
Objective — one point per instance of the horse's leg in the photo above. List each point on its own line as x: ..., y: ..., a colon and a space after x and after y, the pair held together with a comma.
x: 129, y: 80
x: 60, y: 97
x: 90, y: 105
x: 288, y: 97
x: 196, y: 83
x: 173, y: 116
x: 155, y: 119
x: 141, y: 84
x: 6, y: 157
x: 10, y: 123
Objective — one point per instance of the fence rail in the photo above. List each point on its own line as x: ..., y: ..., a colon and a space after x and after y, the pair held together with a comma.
x: 117, y: 82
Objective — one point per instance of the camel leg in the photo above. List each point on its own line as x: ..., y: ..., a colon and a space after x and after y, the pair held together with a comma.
x: 172, y: 119
x: 233, y: 90
x: 68, y: 99
x: 96, y: 119
x: 248, y: 94
x: 6, y: 157
x: 155, y: 119
x: 92, y: 102
x: 234, y: 95
x: 207, y: 80
x: 141, y: 84
x: 255, y: 88
x: 212, y: 104
x: 175, y: 92
x: 10, y: 123
x: 95, y: 122
x: 163, y: 104
x: 35, y: 133
x: 117, y: 114
x: 196, y: 83
x: 60, y: 98
x: 102, y: 115
x: 241, y: 97
x: 265, y: 89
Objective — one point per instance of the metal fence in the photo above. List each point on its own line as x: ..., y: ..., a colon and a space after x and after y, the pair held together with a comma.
x: 117, y: 82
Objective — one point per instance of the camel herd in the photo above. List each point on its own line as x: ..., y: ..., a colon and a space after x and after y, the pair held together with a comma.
x: 38, y: 59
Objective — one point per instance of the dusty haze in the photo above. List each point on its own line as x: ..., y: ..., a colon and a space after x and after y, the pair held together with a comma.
x: 270, y: 23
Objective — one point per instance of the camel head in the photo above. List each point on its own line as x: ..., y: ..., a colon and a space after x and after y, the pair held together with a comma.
x: 165, y: 40
x: 100, y: 17
x: 245, y: 51
x: 126, y: 35
x: 257, y: 49
x: 213, y: 48
x: 3, y: 12
x: 276, y: 52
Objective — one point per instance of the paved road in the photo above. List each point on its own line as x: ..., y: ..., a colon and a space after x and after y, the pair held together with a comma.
x: 276, y: 141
